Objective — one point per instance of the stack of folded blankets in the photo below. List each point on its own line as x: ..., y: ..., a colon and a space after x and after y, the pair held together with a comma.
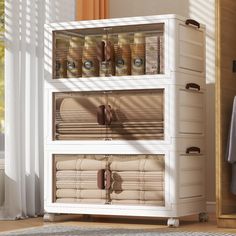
x: 76, y: 119
x: 137, y: 180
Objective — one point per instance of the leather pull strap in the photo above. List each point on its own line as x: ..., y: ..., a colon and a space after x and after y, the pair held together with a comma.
x: 108, y: 114
x: 109, y: 51
x: 101, y: 179
x: 100, y: 48
x: 101, y: 115
x: 104, y: 115
x: 108, y: 179
x: 104, y: 179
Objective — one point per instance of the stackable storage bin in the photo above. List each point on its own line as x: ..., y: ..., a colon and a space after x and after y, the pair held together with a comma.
x: 126, y: 135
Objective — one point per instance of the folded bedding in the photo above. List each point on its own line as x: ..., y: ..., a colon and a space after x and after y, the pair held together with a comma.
x: 81, y: 194
x: 126, y: 136
x: 80, y: 164
x: 146, y: 186
x: 76, y: 184
x: 137, y: 195
x: 76, y: 200
x: 145, y: 164
x: 72, y: 175
x: 138, y: 202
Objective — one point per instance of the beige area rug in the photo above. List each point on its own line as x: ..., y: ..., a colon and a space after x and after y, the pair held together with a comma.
x: 82, y: 231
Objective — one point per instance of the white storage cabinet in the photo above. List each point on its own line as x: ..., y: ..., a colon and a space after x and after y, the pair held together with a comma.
x: 97, y: 128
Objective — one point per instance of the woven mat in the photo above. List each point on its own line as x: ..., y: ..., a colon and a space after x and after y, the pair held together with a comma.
x: 82, y: 231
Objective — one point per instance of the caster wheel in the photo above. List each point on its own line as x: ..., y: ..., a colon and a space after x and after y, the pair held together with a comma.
x: 49, y: 217
x: 173, y: 222
x: 203, y: 217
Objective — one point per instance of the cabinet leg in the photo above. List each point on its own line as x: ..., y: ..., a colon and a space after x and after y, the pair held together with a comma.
x: 173, y: 222
x: 203, y: 217
x: 49, y: 217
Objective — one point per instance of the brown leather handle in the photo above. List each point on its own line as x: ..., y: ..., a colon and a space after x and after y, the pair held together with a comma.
x: 104, y: 115
x: 108, y: 179
x: 101, y: 115
x: 101, y: 179
x: 108, y: 114
x: 109, y: 53
x: 192, y: 22
x: 193, y: 85
x: 103, y: 51
x: 104, y: 179
x: 193, y: 149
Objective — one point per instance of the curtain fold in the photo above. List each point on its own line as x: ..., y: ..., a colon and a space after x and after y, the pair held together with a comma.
x: 24, y: 30
x: 92, y: 9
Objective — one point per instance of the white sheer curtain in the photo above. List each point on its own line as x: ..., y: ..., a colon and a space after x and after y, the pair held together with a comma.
x: 24, y: 20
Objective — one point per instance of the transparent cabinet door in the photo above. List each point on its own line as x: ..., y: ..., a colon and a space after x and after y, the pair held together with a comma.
x: 118, y: 115
x: 109, y: 179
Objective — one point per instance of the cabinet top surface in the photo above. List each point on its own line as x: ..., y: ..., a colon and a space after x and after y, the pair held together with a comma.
x: 114, y: 21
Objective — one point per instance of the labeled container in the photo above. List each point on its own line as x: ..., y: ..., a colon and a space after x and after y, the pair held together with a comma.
x: 74, y: 58
x: 123, y: 55
x: 89, y: 58
x: 61, y: 57
x: 138, y: 55
x: 152, y: 55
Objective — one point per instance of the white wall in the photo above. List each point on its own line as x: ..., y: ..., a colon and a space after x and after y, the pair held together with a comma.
x: 204, y: 12
x: 122, y: 8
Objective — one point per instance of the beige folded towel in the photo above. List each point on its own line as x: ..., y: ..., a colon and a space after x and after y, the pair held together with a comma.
x: 138, y: 202
x: 73, y: 175
x: 80, y: 164
x: 76, y: 184
x: 115, y: 124
x: 76, y: 200
x: 154, y: 164
x: 147, y: 186
x: 75, y: 193
x: 138, y: 195
x: 136, y: 176
x: 126, y: 136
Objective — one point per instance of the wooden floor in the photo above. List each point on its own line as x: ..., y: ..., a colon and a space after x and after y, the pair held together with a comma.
x: 186, y: 223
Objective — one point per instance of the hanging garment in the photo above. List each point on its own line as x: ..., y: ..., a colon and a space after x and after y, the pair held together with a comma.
x: 231, y: 147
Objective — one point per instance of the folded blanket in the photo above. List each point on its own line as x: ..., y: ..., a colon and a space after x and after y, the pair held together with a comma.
x: 76, y: 184
x: 113, y: 130
x: 71, y: 175
x: 147, y: 186
x: 126, y: 136
x: 136, y: 176
x: 145, y: 164
x: 75, y: 193
x: 76, y: 200
x: 80, y: 108
x: 137, y: 124
x: 138, y: 202
x: 138, y: 195
x: 117, y: 186
x: 80, y: 164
